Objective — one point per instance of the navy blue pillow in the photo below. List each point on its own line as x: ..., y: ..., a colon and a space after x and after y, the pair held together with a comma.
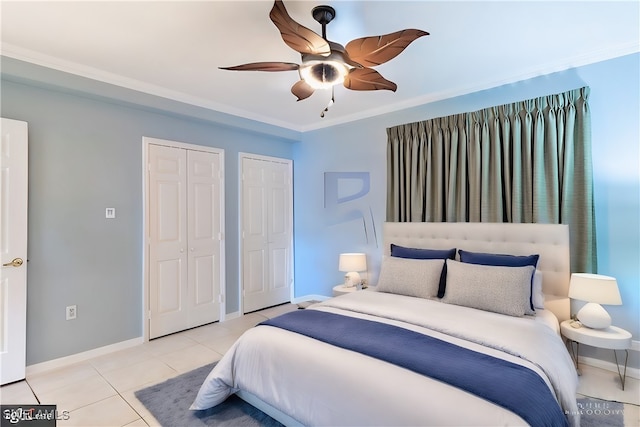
x: 419, y: 253
x: 502, y: 260
x: 499, y: 260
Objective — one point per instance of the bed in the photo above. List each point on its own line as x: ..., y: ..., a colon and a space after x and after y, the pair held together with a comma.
x: 486, y: 351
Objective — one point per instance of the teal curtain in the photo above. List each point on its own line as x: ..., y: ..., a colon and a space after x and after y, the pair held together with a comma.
x: 525, y: 162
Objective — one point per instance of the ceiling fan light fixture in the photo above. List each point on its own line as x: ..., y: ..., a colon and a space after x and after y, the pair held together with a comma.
x: 323, y: 74
x: 326, y: 64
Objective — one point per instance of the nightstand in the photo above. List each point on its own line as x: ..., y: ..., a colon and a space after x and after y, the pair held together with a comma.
x: 613, y: 338
x: 342, y: 289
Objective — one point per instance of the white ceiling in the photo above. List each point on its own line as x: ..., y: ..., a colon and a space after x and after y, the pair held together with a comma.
x: 173, y: 49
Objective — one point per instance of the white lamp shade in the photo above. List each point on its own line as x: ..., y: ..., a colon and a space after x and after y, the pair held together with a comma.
x: 352, y: 262
x: 594, y: 288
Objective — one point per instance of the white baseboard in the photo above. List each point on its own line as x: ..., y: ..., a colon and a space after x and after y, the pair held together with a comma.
x: 233, y: 315
x: 610, y: 366
x: 81, y: 357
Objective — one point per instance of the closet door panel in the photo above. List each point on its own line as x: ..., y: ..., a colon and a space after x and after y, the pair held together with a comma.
x: 168, y: 240
x: 280, y: 231
x: 185, y: 221
x: 203, y: 274
x: 267, y: 232
x: 169, y: 290
x: 204, y: 230
x: 255, y: 278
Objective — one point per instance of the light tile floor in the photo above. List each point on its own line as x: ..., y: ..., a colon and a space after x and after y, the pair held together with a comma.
x: 100, y: 391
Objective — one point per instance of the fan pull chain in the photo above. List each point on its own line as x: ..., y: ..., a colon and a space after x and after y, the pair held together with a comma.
x: 331, y: 102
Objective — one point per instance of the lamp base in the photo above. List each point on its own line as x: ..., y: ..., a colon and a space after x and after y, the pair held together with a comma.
x: 352, y: 279
x: 593, y: 316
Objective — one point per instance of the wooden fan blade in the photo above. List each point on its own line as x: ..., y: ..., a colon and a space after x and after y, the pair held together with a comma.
x: 367, y: 79
x: 302, y: 90
x: 337, y: 47
x: 296, y: 36
x: 376, y: 50
x: 264, y: 66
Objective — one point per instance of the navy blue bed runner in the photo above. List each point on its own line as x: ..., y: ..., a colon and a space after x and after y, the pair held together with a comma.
x: 506, y: 384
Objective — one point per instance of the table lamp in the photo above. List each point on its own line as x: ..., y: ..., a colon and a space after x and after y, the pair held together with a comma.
x: 352, y: 263
x: 596, y: 289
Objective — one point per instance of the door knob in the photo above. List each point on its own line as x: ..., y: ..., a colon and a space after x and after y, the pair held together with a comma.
x: 16, y: 262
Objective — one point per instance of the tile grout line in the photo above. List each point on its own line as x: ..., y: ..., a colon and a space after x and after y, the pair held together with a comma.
x: 32, y: 391
x: 119, y: 393
x: 83, y: 406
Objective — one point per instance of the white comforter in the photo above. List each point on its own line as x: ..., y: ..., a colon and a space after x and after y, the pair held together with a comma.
x: 319, y: 384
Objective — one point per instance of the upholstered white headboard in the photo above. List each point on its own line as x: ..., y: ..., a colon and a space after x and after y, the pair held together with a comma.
x: 550, y: 241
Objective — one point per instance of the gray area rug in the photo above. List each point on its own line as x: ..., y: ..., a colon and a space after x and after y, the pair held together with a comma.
x: 600, y: 413
x: 169, y: 403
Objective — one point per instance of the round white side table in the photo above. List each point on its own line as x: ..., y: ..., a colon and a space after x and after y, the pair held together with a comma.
x: 342, y: 289
x: 613, y: 338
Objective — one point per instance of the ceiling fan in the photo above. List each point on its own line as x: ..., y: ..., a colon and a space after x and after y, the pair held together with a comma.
x: 326, y: 63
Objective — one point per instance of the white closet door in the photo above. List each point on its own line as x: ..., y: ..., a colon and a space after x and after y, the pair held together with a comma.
x: 267, y: 226
x: 185, y: 221
x: 279, y: 232
x: 204, y: 237
x: 168, y: 258
x: 255, y: 240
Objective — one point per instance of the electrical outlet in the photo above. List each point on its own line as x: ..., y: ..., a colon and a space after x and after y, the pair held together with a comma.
x: 72, y: 312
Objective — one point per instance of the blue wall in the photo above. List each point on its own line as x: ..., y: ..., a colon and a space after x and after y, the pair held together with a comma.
x: 321, y: 235
x: 85, y: 154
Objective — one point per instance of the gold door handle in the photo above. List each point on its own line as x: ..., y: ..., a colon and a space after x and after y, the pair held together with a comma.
x: 16, y: 262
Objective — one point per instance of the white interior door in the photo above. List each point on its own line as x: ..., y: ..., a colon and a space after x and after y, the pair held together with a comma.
x: 168, y: 272
x: 280, y: 230
x: 204, y: 237
x: 186, y: 241
x: 13, y: 249
x: 267, y: 230
x: 255, y: 238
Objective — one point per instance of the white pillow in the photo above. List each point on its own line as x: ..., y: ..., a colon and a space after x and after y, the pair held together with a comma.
x: 503, y: 290
x: 412, y: 277
x: 536, y: 293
